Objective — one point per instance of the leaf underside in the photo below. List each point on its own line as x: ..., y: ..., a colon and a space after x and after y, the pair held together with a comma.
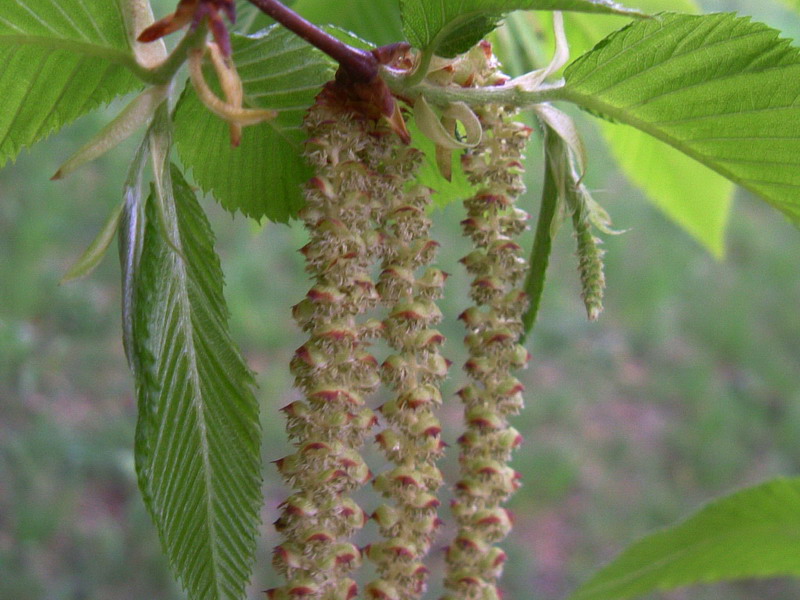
x: 197, y: 439
x: 752, y: 533
x: 450, y: 27
x: 721, y: 89
x: 60, y: 60
x: 263, y: 176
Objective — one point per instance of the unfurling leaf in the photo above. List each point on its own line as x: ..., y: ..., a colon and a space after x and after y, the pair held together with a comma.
x: 97, y: 249
x: 552, y: 196
x: 431, y: 124
x: 135, y: 115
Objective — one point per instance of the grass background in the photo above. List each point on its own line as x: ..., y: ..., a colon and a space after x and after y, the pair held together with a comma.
x: 685, y: 389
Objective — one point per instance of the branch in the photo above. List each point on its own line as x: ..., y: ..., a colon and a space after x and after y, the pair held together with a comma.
x: 360, y: 65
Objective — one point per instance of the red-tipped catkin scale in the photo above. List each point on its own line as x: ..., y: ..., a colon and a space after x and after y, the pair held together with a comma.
x: 364, y: 420
x: 299, y: 506
x: 335, y: 394
x: 381, y: 589
x: 421, y: 396
x: 427, y: 426
x: 469, y: 544
x: 389, y: 441
x: 437, y: 366
x: 306, y: 589
x: 285, y: 557
x: 494, y: 524
x: 346, y: 553
x: 307, y: 358
x: 322, y: 186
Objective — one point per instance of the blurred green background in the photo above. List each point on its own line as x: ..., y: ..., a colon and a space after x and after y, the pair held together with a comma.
x: 685, y: 389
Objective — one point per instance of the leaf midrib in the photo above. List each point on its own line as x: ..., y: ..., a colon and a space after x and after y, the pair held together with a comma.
x: 623, y: 115
x: 187, y: 326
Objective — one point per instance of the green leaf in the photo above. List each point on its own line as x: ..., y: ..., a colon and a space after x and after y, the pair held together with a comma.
x: 752, y: 533
x: 197, y: 438
x: 720, y: 89
x: 60, y: 60
x: 693, y: 196
x: 263, y: 176
x: 641, y: 158
x: 545, y: 226
x: 673, y: 189
x: 375, y: 20
x: 450, y: 27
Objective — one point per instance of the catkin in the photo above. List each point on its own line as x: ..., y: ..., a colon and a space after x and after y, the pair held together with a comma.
x: 494, y: 326
x: 411, y: 440
x: 352, y: 155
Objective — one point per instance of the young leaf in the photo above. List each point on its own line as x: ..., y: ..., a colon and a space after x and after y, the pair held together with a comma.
x: 261, y: 177
x: 197, y: 438
x: 60, y: 60
x: 450, y: 27
x: 720, y: 89
x: 752, y: 533
x: 457, y: 188
x: 130, y: 240
x: 89, y: 260
x: 554, y: 171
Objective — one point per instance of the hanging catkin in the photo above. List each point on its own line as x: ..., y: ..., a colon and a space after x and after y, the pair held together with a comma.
x: 411, y: 439
x: 494, y: 327
x: 354, y: 158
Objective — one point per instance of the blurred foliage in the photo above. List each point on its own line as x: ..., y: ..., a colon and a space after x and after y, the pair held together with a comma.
x: 686, y: 388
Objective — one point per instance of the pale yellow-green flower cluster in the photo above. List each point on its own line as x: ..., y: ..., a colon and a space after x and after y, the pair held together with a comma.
x: 411, y: 439
x: 357, y: 167
x: 494, y: 328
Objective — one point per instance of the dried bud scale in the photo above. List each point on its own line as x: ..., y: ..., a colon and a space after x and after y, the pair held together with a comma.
x: 494, y: 326
x: 411, y: 440
x: 357, y: 168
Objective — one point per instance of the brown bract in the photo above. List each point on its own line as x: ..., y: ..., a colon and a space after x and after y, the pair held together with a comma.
x: 373, y: 98
x: 192, y: 12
